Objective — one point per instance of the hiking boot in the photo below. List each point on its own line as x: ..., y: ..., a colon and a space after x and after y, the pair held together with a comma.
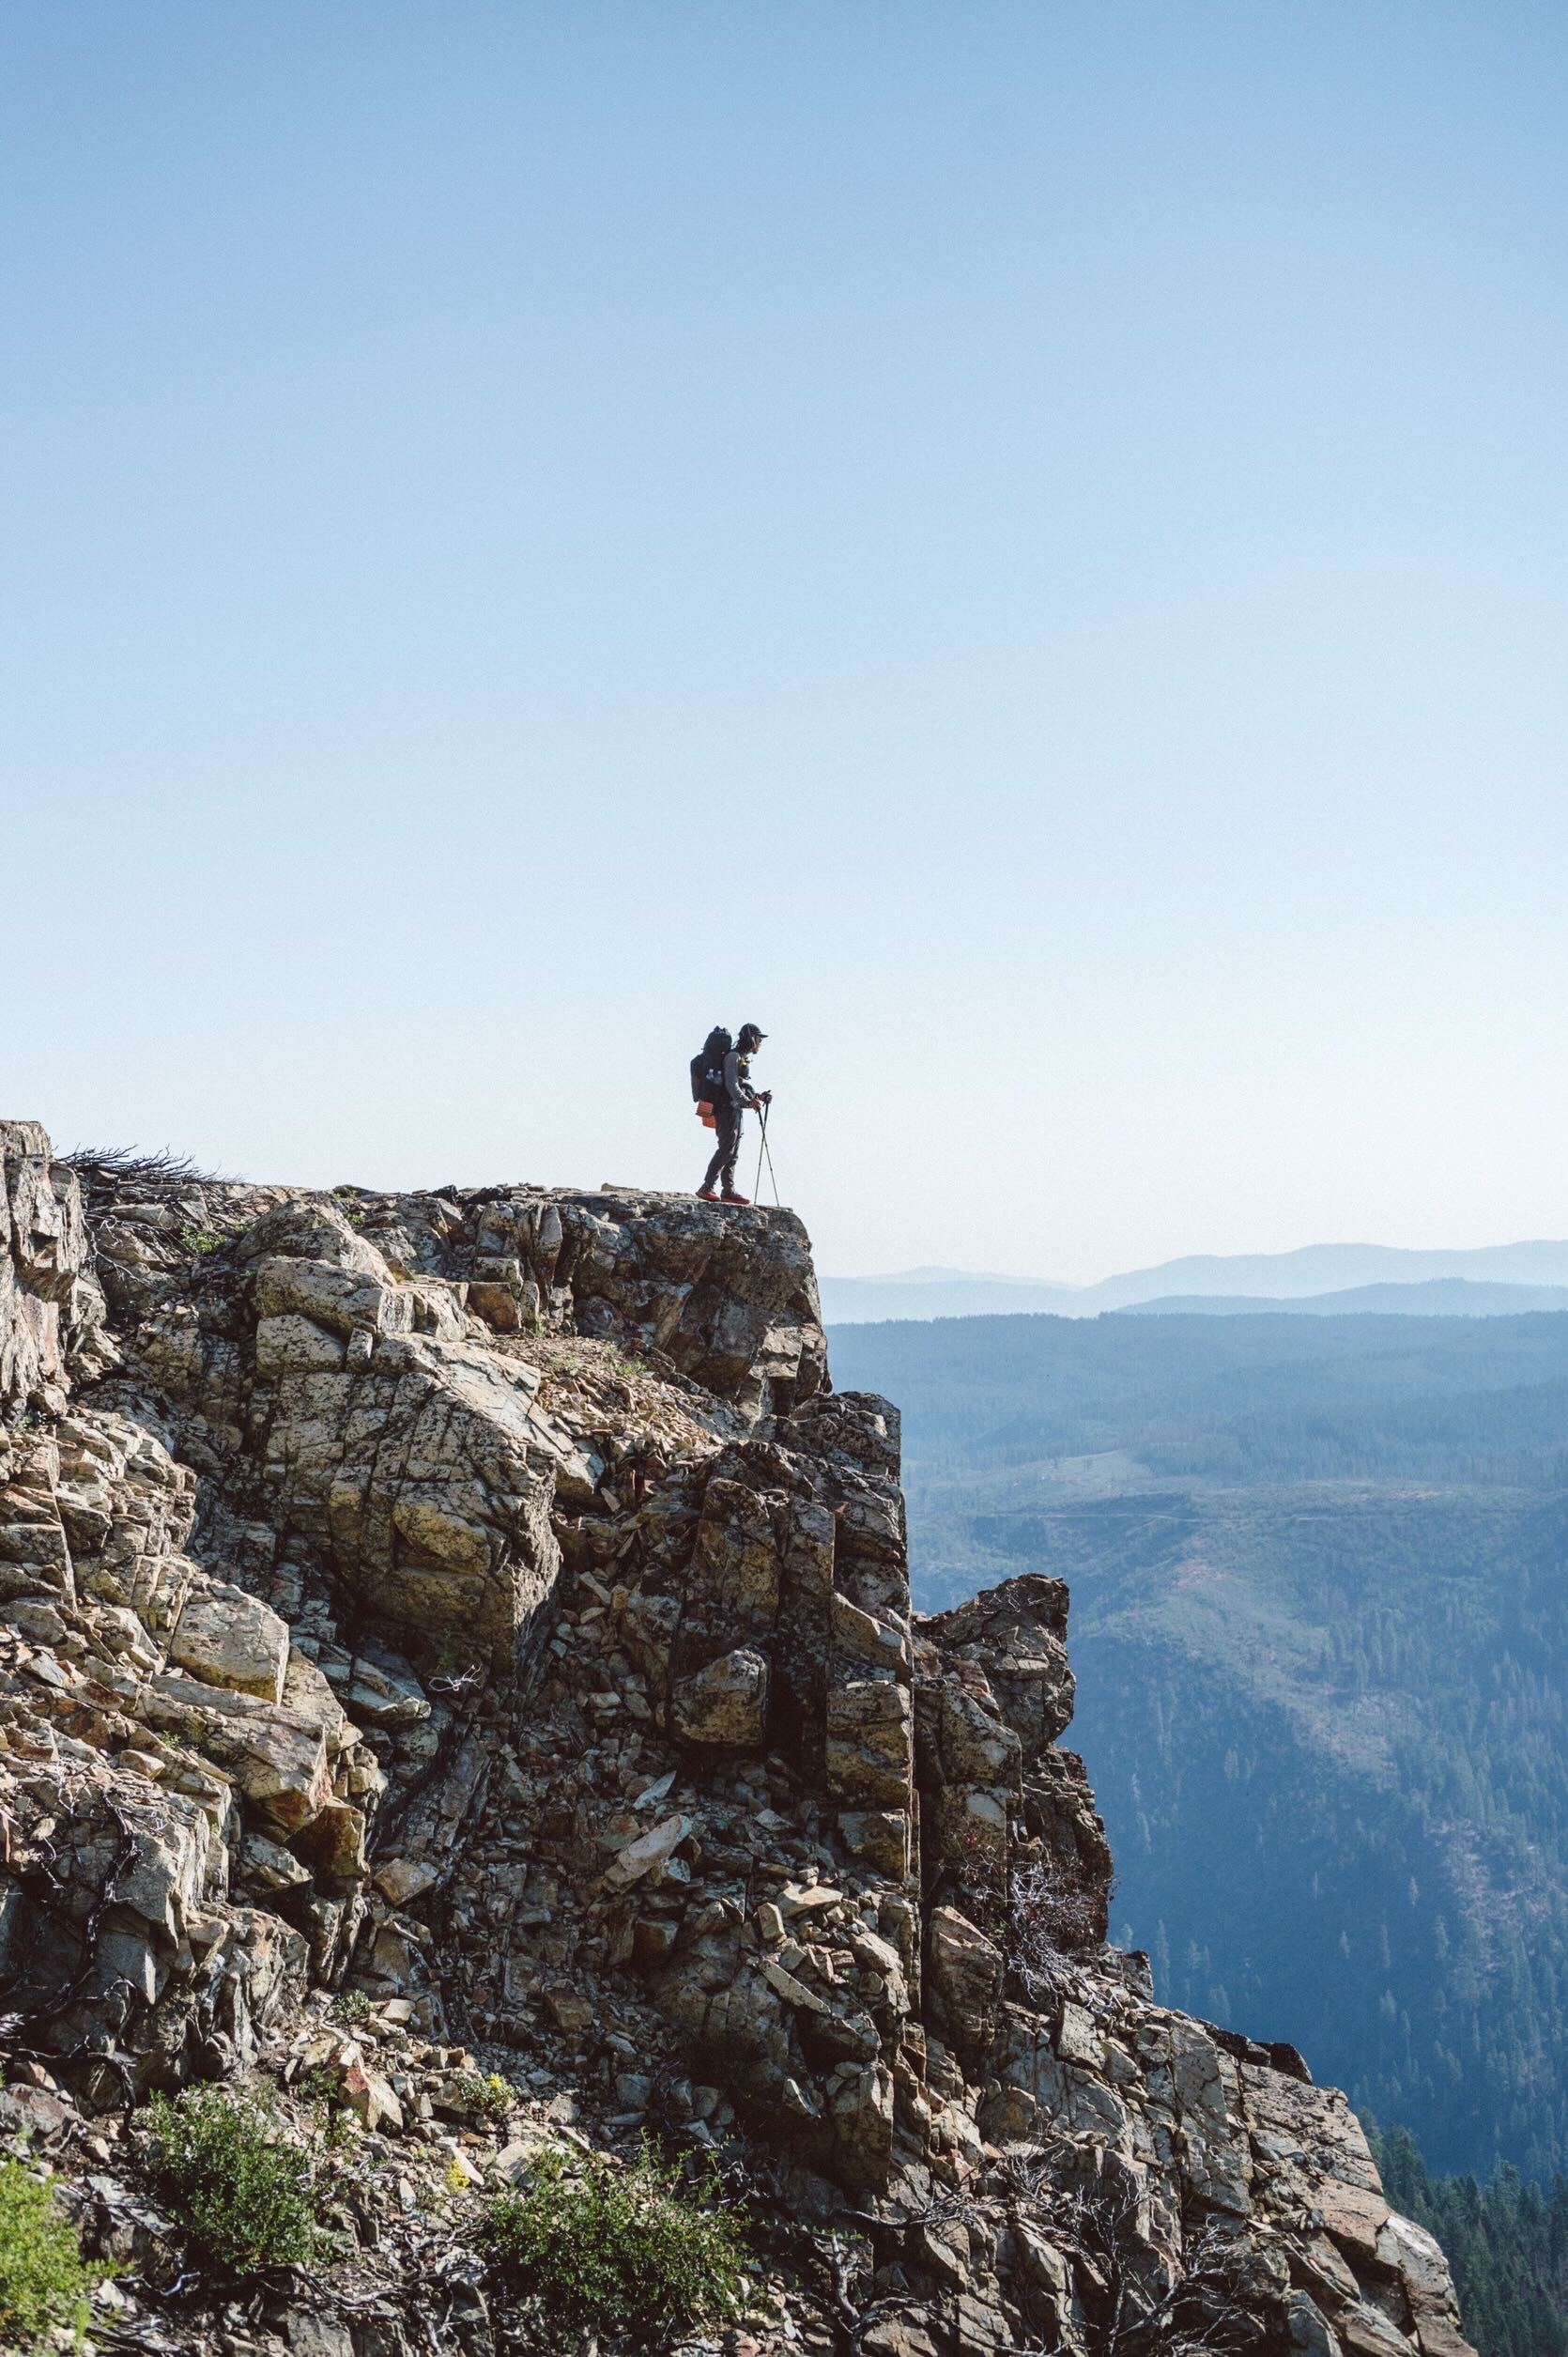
x: 728, y: 1197
x: 707, y: 1194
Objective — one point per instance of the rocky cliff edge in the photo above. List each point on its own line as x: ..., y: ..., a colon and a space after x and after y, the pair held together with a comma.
x: 464, y: 1632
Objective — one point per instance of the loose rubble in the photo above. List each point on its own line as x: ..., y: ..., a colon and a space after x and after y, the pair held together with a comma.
x: 457, y: 1669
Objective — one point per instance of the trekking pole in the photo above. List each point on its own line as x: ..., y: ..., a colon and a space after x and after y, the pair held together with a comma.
x: 761, y: 1149
x: 767, y: 1150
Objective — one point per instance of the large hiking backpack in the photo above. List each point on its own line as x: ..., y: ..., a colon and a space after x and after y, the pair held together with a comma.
x: 707, y: 1070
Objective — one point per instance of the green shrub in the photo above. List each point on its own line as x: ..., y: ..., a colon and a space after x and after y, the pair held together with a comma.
x: 43, y: 2282
x: 242, y: 2193
x: 485, y: 2097
x: 610, y: 2250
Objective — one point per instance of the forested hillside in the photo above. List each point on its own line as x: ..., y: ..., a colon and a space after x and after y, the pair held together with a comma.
x: 1320, y: 1625
x: 1506, y: 2242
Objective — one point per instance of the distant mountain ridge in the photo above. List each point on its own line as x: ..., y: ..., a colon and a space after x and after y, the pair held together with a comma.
x: 1430, y: 1296
x: 1276, y: 1280
x: 918, y: 1293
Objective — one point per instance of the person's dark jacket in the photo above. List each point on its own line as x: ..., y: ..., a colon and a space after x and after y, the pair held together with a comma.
x: 737, y: 1082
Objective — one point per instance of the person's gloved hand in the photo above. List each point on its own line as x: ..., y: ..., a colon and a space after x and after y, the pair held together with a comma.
x: 765, y: 1097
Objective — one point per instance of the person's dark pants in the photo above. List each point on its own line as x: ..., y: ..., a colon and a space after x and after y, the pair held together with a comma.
x: 721, y: 1170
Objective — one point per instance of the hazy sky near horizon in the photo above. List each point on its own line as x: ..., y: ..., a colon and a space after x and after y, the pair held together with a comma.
x: 1023, y: 547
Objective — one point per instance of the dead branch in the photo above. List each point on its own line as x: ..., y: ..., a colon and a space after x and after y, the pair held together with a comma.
x: 1046, y: 1924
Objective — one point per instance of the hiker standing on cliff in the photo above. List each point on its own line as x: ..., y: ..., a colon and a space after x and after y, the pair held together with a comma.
x: 730, y: 1099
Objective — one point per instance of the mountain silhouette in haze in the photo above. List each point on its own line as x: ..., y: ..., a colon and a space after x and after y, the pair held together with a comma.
x: 1493, y: 1279
x: 1429, y: 1297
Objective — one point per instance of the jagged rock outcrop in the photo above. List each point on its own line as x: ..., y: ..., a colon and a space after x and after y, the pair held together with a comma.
x: 481, y: 1603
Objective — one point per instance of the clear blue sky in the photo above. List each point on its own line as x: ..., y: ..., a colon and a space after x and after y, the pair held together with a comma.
x: 1022, y: 546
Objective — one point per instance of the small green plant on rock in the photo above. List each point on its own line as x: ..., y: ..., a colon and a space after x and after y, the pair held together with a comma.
x: 242, y: 2191
x: 200, y: 1241
x: 487, y: 2096
x: 631, y: 2252
x: 43, y: 2278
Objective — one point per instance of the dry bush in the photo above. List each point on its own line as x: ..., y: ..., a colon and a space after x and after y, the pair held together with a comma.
x: 1137, y: 2302
x: 1048, y: 1927
x: 976, y: 1868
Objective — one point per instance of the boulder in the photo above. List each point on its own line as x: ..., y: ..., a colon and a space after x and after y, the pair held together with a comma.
x: 400, y: 1879
x: 383, y: 1692
x: 879, y: 1641
x: 881, y: 1837
x: 725, y: 1704
x: 290, y: 1344
x: 267, y: 1868
x: 649, y: 1852
x: 226, y: 1637
x: 869, y: 1757
x: 966, y: 1979
x: 314, y: 1293
x: 368, y: 2094
x: 277, y: 1758
x: 734, y: 1579
x: 861, y: 2110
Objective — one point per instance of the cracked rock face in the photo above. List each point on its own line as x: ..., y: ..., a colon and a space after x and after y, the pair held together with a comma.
x: 479, y: 1605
